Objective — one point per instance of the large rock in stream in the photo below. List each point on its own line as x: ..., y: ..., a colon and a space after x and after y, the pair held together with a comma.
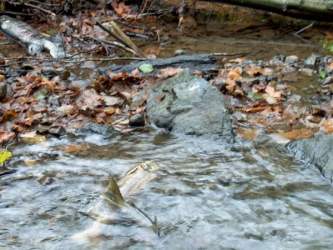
x: 317, y: 151
x: 187, y: 104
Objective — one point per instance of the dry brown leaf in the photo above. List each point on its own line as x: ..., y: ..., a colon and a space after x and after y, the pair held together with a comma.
x: 75, y: 148
x: 254, y: 109
x: 272, y: 92
x: 89, y: 100
x: 253, y: 70
x: 6, y: 136
x: 327, y: 126
x: 121, y: 9
x: 168, y: 72
x: 235, y: 74
x: 247, y: 133
x: 297, y: 134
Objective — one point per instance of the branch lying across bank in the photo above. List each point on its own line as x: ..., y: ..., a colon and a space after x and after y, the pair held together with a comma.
x: 319, y: 10
x: 202, y: 62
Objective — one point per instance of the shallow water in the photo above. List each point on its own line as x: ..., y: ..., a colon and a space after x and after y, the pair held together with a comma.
x: 207, y: 195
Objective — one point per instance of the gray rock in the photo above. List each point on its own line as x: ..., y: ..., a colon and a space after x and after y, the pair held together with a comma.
x: 277, y: 60
x: 137, y: 120
x: 94, y: 128
x: 327, y: 80
x: 317, y: 151
x: 312, y: 61
x: 291, y: 59
x: 188, y: 105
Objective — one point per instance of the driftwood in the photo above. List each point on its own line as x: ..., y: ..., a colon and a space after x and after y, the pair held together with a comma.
x: 202, y: 62
x: 28, y: 37
x: 319, y: 10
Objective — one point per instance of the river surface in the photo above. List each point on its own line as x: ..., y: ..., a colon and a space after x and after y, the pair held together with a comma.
x: 207, y: 195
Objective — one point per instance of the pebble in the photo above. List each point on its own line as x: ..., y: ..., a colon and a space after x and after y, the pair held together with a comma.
x: 327, y: 80
x: 137, y: 120
x: 3, y: 90
x: 307, y: 71
x: 291, y: 59
x: 312, y: 61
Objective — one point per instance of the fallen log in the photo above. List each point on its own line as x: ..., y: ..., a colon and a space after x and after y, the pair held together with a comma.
x: 318, y: 10
x: 29, y: 38
x: 202, y: 62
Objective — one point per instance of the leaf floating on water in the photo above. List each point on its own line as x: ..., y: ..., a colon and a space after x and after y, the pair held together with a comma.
x: 30, y: 162
x: 113, y: 194
x: 136, y: 178
x: 5, y: 155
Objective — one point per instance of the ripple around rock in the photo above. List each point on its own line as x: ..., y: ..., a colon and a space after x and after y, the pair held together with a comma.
x: 187, y: 104
x: 317, y: 151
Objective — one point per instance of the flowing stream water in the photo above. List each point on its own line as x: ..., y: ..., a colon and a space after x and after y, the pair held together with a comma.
x: 207, y: 195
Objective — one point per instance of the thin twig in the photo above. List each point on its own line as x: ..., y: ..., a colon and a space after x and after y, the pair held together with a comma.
x: 40, y: 9
x: 304, y: 29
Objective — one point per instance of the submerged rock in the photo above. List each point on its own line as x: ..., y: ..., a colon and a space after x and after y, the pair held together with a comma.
x: 317, y: 151
x: 94, y: 128
x: 188, y: 105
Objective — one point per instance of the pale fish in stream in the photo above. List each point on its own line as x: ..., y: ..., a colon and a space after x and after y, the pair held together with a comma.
x: 116, y: 204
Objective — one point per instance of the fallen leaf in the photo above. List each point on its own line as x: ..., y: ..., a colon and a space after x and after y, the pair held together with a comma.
x: 121, y: 9
x: 32, y: 137
x: 112, y: 100
x: 30, y: 162
x: 327, y: 126
x: 297, y: 134
x: 110, y: 110
x: 168, y: 72
x: 6, y: 136
x: 89, y: 100
x: 5, y: 155
x: 247, y: 133
x: 76, y: 148
x: 272, y: 92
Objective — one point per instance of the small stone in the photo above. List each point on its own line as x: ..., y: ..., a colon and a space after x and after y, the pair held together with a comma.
x: 327, y: 80
x: 307, y: 71
x: 291, y: 59
x: 3, y: 90
x: 276, y: 60
x: 57, y: 131
x: 49, y: 72
x: 137, y: 120
x: 45, y: 180
x: 312, y: 61
x: 179, y: 52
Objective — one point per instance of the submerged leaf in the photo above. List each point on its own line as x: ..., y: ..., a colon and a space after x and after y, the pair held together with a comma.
x: 113, y: 194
